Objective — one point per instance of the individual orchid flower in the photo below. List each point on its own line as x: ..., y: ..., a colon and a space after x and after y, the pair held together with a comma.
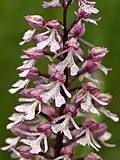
x: 27, y: 37
x: 31, y: 101
x: 29, y: 108
x: 86, y: 10
x: 93, y: 63
x: 73, y: 49
x: 85, y: 97
x: 53, y: 93
x: 12, y: 142
x: 52, y: 3
x: 35, y: 144
x: 91, y: 130
x: 19, y: 85
x: 89, y: 97
x: 51, y: 41
x: 64, y: 126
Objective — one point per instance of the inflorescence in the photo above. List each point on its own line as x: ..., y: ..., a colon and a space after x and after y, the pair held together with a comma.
x: 44, y: 124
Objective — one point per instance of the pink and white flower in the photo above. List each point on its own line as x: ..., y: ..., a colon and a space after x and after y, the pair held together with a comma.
x: 91, y: 100
x: 86, y: 10
x: 73, y: 49
x: 53, y: 93
x: 35, y: 144
x: 29, y: 108
x: 54, y: 39
x: 91, y: 130
x: 64, y: 126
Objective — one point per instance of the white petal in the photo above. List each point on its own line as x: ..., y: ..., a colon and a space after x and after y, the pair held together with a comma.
x: 99, y: 101
x: 19, y: 85
x: 24, y: 73
x: 79, y: 57
x: 105, y: 137
x: 74, y: 69
x: 66, y: 91
x: 27, y: 142
x: 22, y: 108
x: 14, y: 90
x: 57, y: 128
x: 58, y: 36
x: 81, y: 78
x: 91, y: 21
x: 21, y: 43
x: 42, y: 45
x: 5, y: 148
x: 112, y: 116
x: 61, y: 66
x: 27, y: 36
x: 74, y: 123
x: 105, y: 70
x: 82, y: 141
x: 58, y: 119
x: 54, y: 46
x: 94, y: 141
x: 26, y: 99
x: 36, y: 146
x: 46, y: 144
x: 59, y: 100
x: 46, y: 96
x: 39, y: 108
x: 30, y: 113
x: 17, y: 118
x: 12, y: 141
x: 67, y: 133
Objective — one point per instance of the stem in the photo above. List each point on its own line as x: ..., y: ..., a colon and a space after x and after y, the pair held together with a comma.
x: 59, y: 138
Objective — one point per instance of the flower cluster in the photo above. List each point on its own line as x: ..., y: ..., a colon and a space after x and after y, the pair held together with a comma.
x: 44, y: 123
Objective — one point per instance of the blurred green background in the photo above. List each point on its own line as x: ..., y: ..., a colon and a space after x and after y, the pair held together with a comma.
x: 12, y: 27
